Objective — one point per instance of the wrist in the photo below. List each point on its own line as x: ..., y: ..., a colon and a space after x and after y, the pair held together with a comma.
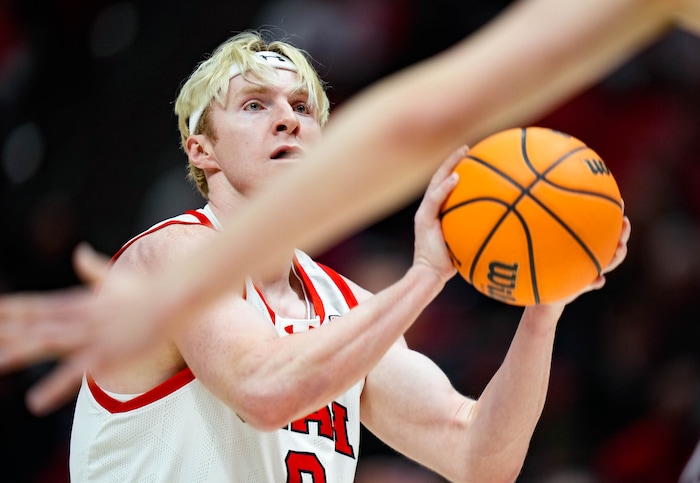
x: 544, y: 316
x: 421, y: 275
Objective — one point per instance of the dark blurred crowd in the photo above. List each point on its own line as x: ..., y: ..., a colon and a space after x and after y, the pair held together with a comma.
x: 89, y: 151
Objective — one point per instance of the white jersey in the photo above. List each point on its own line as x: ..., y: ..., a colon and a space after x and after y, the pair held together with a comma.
x: 180, y: 432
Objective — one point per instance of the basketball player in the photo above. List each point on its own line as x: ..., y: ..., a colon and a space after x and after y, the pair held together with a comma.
x: 504, y: 75
x: 273, y: 381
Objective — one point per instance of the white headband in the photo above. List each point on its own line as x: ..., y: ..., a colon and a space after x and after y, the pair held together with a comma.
x: 276, y: 60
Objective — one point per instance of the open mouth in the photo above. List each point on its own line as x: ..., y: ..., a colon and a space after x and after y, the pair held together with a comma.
x: 286, y: 153
x: 282, y: 155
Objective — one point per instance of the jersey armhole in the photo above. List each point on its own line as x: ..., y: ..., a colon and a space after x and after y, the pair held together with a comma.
x: 342, y: 285
x: 182, y: 378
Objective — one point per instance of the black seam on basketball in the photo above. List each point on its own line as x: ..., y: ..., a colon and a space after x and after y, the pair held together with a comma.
x: 472, y: 200
x: 543, y: 174
x: 531, y: 254
x: 543, y: 177
x: 511, y: 208
x: 526, y: 158
x: 573, y: 234
x: 487, y: 238
x: 531, y: 257
x: 454, y: 258
x: 570, y: 190
x: 500, y: 173
x: 584, y: 192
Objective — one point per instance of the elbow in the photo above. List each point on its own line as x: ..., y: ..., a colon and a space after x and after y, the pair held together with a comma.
x: 263, y: 410
x: 503, y: 467
x: 503, y: 474
x: 497, y: 467
x: 506, y: 475
x: 263, y: 423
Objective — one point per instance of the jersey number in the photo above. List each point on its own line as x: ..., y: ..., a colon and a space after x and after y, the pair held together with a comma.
x: 299, y: 463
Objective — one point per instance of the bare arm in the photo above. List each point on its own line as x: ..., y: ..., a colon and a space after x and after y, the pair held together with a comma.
x: 409, y: 403
x: 688, y: 15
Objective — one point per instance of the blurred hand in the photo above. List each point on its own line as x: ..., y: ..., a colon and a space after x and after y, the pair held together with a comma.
x: 71, y: 325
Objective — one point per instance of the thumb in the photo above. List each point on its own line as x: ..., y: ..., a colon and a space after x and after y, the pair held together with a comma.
x: 90, y: 265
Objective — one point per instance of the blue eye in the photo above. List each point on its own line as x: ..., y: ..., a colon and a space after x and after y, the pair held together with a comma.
x: 253, y: 106
x: 303, y: 108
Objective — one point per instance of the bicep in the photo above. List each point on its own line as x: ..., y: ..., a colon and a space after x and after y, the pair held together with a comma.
x: 222, y: 345
x: 409, y: 403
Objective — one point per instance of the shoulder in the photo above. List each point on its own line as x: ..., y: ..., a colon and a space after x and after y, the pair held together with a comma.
x: 163, y: 245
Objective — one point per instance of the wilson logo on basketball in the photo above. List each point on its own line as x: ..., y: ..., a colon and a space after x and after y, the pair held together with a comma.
x: 502, y: 279
x: 597, y: 166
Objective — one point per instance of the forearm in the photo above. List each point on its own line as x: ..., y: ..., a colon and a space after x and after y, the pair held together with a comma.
x: 688, y: 15
x: 502, y: 421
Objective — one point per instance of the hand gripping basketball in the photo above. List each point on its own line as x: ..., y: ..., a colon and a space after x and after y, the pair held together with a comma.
x: 535, y: 217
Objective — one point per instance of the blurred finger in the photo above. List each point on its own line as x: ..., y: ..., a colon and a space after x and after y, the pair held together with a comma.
x: 90, y: 265
x: 56, y: 389
x: 38, y: 327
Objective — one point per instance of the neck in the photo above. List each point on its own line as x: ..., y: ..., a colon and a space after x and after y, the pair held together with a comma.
x: 273, y: 272
x: 285, y: 294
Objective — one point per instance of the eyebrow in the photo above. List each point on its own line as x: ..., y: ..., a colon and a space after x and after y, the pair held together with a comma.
x: 262, y: 89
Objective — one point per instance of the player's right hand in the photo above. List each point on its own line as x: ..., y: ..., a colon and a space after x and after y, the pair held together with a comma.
x: 430, y: 248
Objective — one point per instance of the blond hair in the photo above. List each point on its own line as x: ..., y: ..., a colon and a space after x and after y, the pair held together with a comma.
x: 210, y: 80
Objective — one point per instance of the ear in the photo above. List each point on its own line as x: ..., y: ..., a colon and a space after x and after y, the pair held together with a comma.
x: 200, y: 151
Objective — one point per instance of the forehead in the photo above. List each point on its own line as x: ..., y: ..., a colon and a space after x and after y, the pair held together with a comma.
x: 281, y: 81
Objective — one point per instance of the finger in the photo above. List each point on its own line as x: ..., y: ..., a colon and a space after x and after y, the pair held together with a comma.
x: 22, y: 346
x: 37, y: 327
x: 454, y: 159
x: 429, y: 209
x: 19, y: 343
x: 440, y: 193
x: 56, y: 389
x: 626, y: 230
x: 15, y: 354
x: 449, y: 165
x: 621, y: 250
x: 90, y: 265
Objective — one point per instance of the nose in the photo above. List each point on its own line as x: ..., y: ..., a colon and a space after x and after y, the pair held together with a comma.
x: 287, y: 121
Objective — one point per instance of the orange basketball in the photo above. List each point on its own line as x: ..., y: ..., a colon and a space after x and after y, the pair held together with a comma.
x: 535, y: 217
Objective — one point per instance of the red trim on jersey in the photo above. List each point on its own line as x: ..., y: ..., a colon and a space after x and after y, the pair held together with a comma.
x: 269, y: 309
x: 319, y: 308
x: 342, y: 285
x: 201, y: 217
x: 313, y: 293
x: 166, y: 388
